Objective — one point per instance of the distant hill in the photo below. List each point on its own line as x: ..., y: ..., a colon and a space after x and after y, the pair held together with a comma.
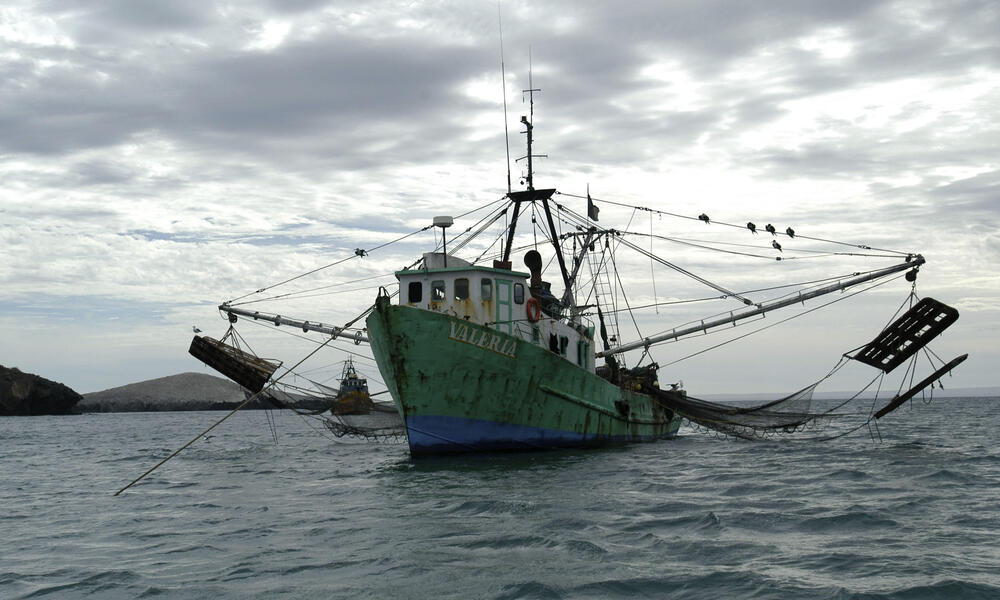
x: 186, y: 391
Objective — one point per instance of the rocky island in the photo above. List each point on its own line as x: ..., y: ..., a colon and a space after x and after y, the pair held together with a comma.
x: 25, y: 394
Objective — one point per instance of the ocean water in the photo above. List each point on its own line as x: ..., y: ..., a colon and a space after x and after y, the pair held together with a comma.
x: 914, y: 516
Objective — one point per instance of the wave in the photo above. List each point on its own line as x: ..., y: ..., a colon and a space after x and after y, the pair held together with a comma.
x: 849, y: 522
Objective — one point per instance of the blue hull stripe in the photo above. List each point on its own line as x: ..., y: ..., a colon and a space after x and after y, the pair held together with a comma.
x: 436, y: 435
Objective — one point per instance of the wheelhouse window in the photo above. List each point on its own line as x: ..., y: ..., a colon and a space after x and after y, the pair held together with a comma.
x: 415, y: 292
x: 437, y: 291
x: 461, y: 289
x: 486, y: 289
x: 518, y: 293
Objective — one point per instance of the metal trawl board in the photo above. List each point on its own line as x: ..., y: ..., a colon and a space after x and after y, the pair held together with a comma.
x: 909, y: 333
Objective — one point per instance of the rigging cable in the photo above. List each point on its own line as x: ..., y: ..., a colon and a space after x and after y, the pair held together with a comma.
x: 301, y: 294
x: 219, y: 422
x: 488, y: 224
x: 503, y: 81
x: 652, y: 273
x: 800, y: 287
x: 805, y: 237
x: 703, y: 246
x: 677, y: 268
x: 357, y: 254
x: 625, y: 298
x: 805, y: 312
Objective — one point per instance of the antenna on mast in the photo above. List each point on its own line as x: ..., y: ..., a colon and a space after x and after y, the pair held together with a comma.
x: 531, y: 195
x: 528, y: 124
x: 503, y: 81
x: 531, y: 90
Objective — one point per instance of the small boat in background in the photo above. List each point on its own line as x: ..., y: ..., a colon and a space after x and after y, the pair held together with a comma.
x: 353, y: 397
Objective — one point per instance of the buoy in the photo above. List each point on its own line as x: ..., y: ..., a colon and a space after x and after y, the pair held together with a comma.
x: 534, y: 309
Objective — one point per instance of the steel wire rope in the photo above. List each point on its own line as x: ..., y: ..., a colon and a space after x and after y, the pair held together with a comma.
x: 680, y: 216
x: 923, y: 396
x: 782, y: 258
x: 652, y: 272
x: 671, y: 265
x: 570, y: 212
x: 468, y: 229
x: 364, y: 313
x: 776, y: 323
x: 664, y: 303
x: 304, y: 294
x: 716, y: 298
x: 316, y: 289
x: 333, y: 264
x: 613, y: 250
x: 358, y: 253
x: 237, y: 338
x: 803, y: 286
x: 217, y: 423
x: 625, y: 299
x: 911, y: 372
x: 501, y: 213
x: 312, y: 340
x: 612, y: 243
x: 595, y: 274
x: 757, y: 290
x: 367, y: 360
x: 878, y: 391
x: 473, y: 236
x: 591, y: 286
x: 889, y: 321
x: 272, y: 425
x: 498, y: 238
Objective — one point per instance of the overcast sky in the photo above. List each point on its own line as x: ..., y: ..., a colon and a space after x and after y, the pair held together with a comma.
x: 157, y: 158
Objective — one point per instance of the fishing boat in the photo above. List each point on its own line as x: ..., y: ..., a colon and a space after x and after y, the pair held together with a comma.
x: 480, y: 355
x: 352, y: 398
x: 475, y: 361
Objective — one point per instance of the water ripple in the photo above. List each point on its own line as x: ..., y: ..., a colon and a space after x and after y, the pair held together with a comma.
x: 912, y: 518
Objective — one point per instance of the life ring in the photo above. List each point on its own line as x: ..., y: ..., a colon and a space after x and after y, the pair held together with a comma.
x: 534, y: 309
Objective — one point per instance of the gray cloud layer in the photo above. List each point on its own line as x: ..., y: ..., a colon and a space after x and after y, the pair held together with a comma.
x: 174, y: 154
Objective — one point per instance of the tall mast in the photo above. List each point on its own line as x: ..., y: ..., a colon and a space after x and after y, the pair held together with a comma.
x: 531, y: 194
x: 528, y: 196
x: 527, y: 124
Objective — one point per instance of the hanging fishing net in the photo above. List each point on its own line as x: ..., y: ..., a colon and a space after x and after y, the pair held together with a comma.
x: 786, y: 415
x: 382, y: 424
x: 898, y: 342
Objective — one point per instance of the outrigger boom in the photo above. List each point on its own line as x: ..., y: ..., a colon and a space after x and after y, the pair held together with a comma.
x: 332, y: 330
x: 912, y: 262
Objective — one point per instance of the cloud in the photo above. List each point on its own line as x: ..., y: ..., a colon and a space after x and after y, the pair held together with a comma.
x: 177, y: 154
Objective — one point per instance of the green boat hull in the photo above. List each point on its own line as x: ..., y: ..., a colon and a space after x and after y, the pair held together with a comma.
x: 461, y: 387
